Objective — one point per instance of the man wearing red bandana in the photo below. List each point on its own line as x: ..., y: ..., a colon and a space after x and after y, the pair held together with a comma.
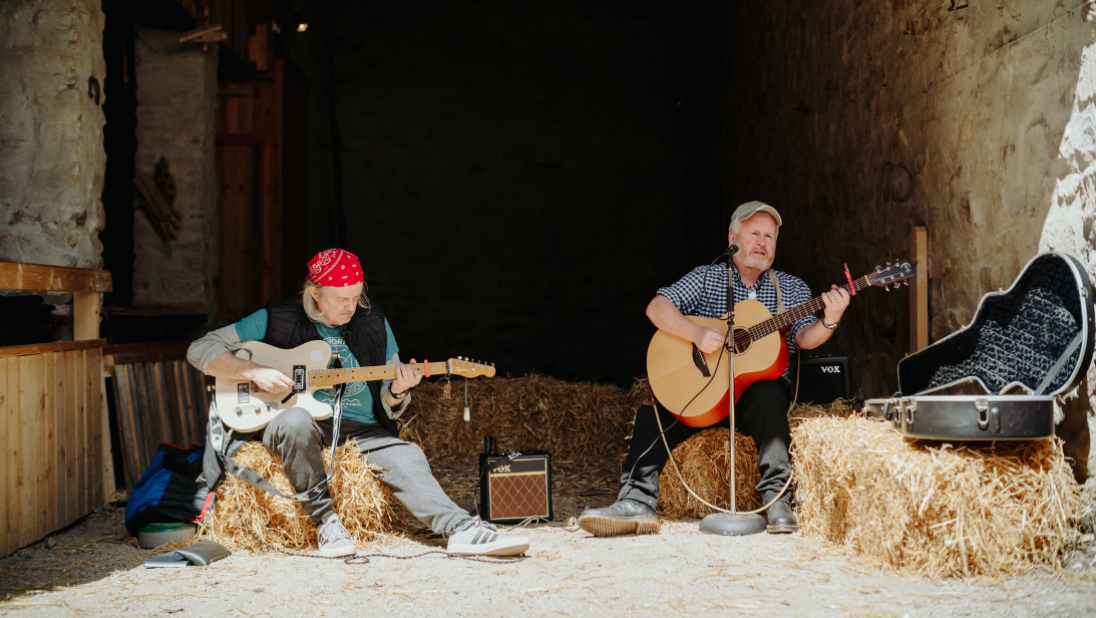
x: 333, y: 307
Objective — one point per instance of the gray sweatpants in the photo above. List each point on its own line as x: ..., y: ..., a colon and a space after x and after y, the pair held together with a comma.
x: 298, y: 439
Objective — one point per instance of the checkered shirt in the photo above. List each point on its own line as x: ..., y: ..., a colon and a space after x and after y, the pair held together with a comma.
x: 703, y: 293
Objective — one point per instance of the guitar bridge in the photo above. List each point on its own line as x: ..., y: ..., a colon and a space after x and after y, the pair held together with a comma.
x: 701, y: 362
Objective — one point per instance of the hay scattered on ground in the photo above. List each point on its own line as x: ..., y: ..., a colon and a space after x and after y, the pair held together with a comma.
x: 570, y: 420
x: 931, y: 508
x: 702, y: 460
x: 363, y: 502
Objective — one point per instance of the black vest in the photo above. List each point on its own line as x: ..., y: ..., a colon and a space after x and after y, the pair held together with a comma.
x: 288, y: 326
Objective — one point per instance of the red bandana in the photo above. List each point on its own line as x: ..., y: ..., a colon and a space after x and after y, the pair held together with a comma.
x: 335, y: 268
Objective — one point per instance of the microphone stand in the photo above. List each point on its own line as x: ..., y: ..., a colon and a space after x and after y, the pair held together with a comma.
x: 733, y: 523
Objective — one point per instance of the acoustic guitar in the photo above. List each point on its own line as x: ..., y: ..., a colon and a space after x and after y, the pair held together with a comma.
x: 693, y: 385
x: 244, y: 407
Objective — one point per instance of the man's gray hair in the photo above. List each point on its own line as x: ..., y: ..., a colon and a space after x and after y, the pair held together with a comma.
x: 312, y: 311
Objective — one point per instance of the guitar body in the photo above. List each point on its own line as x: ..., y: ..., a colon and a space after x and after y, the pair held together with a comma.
x: 676, y: 378
x: 244, y: 407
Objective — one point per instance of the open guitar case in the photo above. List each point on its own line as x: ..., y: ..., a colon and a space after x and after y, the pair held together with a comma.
x: 996, y: 378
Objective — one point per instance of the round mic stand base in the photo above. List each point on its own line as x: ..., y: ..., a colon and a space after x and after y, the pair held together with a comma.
x: 733, y: 524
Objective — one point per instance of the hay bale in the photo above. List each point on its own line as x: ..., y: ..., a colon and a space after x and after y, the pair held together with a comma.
x: 363, y: 502
x: 570, y: 420
x: 932, y: 508
x: 839, y: 408
x: 702, y: 460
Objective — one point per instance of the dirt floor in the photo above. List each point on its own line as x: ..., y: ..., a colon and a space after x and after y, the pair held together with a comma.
x: 94, y: 568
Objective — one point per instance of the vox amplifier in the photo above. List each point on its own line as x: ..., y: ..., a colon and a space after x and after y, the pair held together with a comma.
x: 822, y: 379
x: 515, y: 487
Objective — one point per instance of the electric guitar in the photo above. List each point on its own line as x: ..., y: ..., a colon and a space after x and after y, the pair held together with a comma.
x: 244, y: 407
x: 679, y: 371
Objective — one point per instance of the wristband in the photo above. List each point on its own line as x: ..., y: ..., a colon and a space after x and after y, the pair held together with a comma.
x: 828, y: 326
x: 399, y: 396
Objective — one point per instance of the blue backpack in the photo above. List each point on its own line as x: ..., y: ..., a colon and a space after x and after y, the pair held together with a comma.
x: 170, y: 490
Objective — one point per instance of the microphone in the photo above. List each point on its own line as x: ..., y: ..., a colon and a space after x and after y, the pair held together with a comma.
x: 732, y: 249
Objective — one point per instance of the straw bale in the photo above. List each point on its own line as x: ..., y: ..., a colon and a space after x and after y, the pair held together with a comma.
x: 840, y: 408
x: 570, y: 420
x: 363, y: 502
x: 932, y: 508
x: 702, y: 460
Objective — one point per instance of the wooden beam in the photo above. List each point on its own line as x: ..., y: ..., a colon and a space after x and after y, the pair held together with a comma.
x: 59, y: 346
x: 17, y: 276
x: 919, y: 291
x: 85, y: 315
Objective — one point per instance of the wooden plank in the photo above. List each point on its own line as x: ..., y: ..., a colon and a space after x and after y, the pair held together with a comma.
x: 107, y: 446
x: 919, y: 291
x: 79, y: 423
x: 30, y: 392
x: 148, y: 421
x: 120, y: 377
x: 71, y: 433
x: 85, y: 315
x: 6, y: 491
x: 190, y: 403
x: 41, y: 348
x: 93, y: 424
x: 18, y: 276
x: 16, y: 445
x: 53, y: 412
x: 180, y: 430
x: 162, y: 403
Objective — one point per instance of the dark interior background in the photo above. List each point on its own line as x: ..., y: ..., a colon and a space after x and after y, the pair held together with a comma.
x: 519, y: 178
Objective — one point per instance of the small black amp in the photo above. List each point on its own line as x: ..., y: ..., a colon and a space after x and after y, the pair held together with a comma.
x: 822, y: 379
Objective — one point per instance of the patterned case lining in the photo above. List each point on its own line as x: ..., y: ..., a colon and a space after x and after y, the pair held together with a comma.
x: 1016, y: 337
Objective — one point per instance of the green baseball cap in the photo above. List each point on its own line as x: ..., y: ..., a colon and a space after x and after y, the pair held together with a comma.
x: 750, y: 209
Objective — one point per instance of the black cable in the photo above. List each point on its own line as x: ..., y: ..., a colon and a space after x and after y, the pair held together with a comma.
x: 677, y: 416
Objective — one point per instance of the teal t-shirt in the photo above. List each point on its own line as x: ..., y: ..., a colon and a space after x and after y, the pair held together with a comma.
x: 357, y: 400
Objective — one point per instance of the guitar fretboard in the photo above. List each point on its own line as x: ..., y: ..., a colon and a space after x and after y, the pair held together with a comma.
x: 793, y: 315
x: 331, y: 377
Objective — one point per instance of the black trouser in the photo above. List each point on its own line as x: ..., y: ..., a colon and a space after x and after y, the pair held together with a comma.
x: 761, y: 413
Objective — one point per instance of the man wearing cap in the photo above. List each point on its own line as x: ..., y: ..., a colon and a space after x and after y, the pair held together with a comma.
x: 761, y: 410
x: 333, y: 307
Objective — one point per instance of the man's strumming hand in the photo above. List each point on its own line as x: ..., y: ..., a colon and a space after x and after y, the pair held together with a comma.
x: 268, y: 379
x: 709, y: 339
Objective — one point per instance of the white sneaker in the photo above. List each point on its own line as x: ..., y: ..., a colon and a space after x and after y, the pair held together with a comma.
x: 335, y: 541
x: 476, y: 537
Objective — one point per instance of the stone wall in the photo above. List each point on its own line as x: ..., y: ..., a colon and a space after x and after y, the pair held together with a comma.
x: 862, y: 119
x: 176, y: 105
x: 51, y: 132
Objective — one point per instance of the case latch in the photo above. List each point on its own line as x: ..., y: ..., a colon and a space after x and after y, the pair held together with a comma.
x: 982, y: 406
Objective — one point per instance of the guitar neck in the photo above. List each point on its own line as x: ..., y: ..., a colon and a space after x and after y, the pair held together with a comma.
x: 795, y: 314
x: 330, y: 377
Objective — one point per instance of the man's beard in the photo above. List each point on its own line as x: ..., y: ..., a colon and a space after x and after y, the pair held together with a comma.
x: 758, y: 263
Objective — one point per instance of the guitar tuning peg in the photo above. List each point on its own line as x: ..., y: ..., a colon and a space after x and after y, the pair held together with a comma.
x: 906, y: 282
x: 877, y: 267
x: 887, y: 288
x: 492, y: 364
x: 460, y: 358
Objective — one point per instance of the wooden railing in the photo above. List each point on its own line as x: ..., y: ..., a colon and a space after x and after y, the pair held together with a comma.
x: 55, y: 462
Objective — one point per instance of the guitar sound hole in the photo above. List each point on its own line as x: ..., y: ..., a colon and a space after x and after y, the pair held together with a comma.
x: 742, y: 340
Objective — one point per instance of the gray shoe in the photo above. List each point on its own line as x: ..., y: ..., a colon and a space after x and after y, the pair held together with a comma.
x: 476, y: 537
x: 622, y: 517
x: 781, y: 518
x: 335, y: 541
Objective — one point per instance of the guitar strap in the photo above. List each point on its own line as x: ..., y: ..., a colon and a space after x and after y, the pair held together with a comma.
x: 779, y: 296
x: 220, y: 440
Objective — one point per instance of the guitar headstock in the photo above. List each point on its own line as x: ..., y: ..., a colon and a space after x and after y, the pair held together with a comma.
x: 893, y: 272
x: 461, y: 366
